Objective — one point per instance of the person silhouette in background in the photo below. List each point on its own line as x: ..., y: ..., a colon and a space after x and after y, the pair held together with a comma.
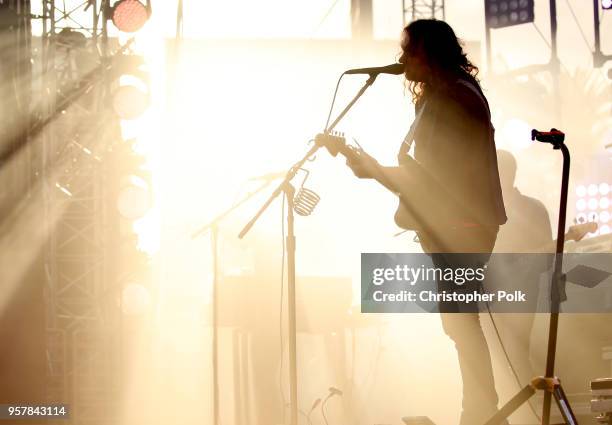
x: 528, y: 227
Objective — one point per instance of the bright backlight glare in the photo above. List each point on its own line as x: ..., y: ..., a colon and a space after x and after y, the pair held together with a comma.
x: 135, y: 300
x: 134, y: 199
x: 581, y: 191
x: 130, y: 102
x: 516, y: 133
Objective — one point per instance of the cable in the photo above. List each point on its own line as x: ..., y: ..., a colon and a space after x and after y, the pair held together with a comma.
x: 578, y: 25
x: 549, y: 46
x: 280, y: 373
x: 300, y: 411
x: 503, y: 347
x: 542, y: 35
x: 332, y: 392
x: 324, y: 18
x: 323, y: 408
x: 331, y: 108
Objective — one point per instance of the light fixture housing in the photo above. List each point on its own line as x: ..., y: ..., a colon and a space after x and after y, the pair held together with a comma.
x: 507, y: 13
x: 129, y: 15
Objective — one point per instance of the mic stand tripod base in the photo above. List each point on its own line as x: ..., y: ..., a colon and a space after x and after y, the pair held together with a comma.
x: 552, y: 386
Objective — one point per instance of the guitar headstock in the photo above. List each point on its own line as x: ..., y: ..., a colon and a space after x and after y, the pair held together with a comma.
x: 334, y: 142
x: 579, y: 231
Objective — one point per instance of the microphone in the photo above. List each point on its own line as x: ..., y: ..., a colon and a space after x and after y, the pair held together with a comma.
x: 394, y: 69
x: 334, y: 391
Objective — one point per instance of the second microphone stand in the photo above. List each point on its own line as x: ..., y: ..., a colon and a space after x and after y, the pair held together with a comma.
x: 213, y: 228
x: 549, y: 383
x: 289, y: 191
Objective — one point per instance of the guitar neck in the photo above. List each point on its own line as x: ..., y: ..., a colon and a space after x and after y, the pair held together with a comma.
x: 576, y: 233
x: 389, y: 177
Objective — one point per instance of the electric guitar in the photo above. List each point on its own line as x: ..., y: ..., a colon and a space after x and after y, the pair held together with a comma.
x: 419, y: 207
x: 400, y: 180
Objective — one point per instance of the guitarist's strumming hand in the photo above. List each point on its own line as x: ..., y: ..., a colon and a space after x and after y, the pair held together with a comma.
x: 363, y: 165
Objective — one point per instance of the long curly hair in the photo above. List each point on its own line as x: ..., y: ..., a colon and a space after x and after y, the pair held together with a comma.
x: 443, y: 53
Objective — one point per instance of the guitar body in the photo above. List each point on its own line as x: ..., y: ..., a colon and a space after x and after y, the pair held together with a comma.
x: 404, y: 218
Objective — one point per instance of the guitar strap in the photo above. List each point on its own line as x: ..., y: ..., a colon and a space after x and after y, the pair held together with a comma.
x: 409, y: 138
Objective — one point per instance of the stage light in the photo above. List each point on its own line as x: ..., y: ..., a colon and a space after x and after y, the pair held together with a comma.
x: 604, y: 217
x: 606, y: 4
x: 604, y: 203
x: 71, y: 39
x: 130, y: 102
x: 131, y: 98
x: 604, y: 188
x: 593, y: 204
x: 581, y: 191
x: 506, y: 13
x: 134, y: 199
x: 592, y: 190
x: 604, y: 230
x: 581, y: 204
x: 129, y: 15
x: 63, y: 189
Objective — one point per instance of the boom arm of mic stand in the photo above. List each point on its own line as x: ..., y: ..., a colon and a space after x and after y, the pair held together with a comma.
x: 293, y: 170
x: 367, y: 84
x: 290, y: 175
x: 221, y: 216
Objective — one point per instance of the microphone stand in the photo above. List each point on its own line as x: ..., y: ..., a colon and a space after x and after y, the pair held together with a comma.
x: 213, y: 227
x: 550, y: 384
x: 290, y: 243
